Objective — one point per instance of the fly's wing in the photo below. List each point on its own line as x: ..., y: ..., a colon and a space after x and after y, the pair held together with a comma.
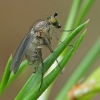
x: 20, y: 52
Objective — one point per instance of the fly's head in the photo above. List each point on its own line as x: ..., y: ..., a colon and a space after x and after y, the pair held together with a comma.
x: 53, y: 21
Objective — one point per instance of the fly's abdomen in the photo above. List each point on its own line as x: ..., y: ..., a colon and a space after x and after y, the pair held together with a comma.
x: 33, y: 57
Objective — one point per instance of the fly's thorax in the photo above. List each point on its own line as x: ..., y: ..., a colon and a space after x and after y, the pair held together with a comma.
x: 39, y: 24
x: 43, y: 29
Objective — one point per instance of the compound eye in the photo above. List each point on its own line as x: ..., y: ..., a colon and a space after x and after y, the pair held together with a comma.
x: 53, y: 21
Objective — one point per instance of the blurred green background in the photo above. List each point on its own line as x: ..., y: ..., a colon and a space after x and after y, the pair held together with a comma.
x: 16, y: 18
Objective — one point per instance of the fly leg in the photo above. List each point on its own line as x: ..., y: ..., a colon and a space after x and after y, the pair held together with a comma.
x: 59, y: 40
x: 39, y: 54
x: 51, y: 50
x: 35, y: 70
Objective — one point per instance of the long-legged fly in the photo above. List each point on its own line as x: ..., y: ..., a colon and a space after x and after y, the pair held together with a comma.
x: 40, y: 35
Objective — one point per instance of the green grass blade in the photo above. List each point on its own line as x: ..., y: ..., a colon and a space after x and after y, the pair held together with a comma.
x: 52, y: 76
x: 35, y: 79
x: 71, y: 18
x: 69, y: 23
x: 21, y: 68
x: 81, y: 69
x: 6, y: 75
x: 86, y: 5
x: 94, y: 75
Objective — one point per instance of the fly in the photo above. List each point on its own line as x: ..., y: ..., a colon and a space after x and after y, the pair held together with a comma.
x: 40, y: 35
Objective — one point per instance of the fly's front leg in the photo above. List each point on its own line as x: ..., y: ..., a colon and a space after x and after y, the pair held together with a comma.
x: 51, y: 50
x: 60, y: 40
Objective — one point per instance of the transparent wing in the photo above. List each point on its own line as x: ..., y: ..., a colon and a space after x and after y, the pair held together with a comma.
x: 20, y: 52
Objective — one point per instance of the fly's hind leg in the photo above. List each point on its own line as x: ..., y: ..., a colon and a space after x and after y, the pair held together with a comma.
x: 39, y: 54
x: 35, y: 69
